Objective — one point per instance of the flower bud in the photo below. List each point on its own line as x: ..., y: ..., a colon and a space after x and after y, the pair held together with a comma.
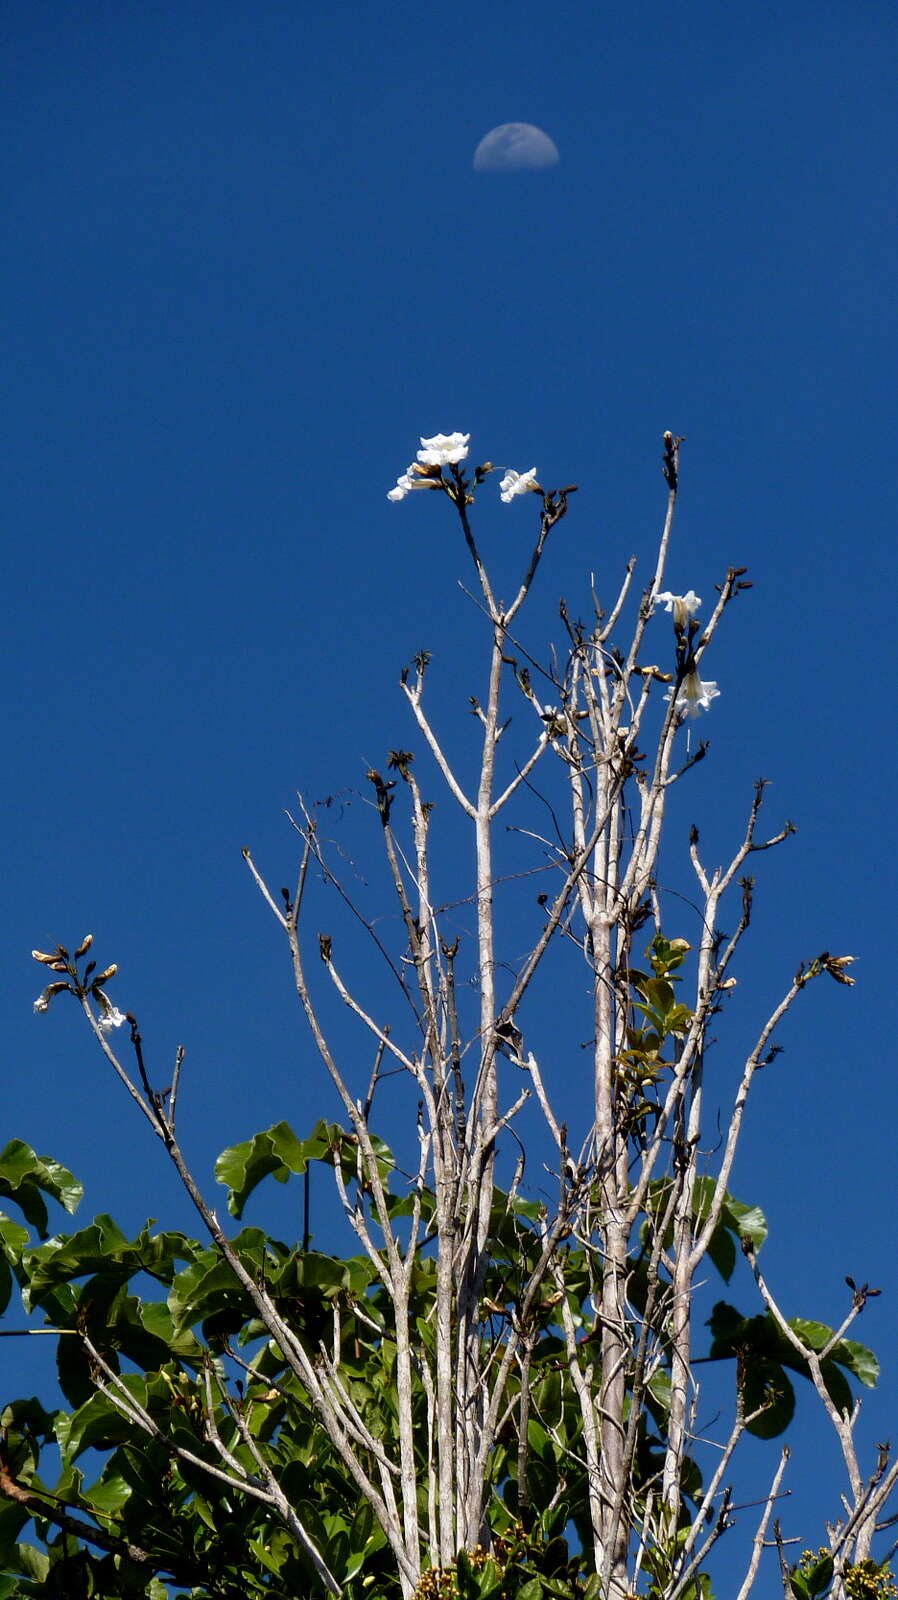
x: 84, y: 946
x: 103, y: 977
x: 42, y: 1003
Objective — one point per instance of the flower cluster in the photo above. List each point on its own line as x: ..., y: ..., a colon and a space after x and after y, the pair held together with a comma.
x: 449, y: 450
x: 694, y: 694
x: 90, y: 982
x: 443, y: 450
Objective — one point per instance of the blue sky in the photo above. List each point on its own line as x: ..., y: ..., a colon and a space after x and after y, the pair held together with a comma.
x: 246, y: 262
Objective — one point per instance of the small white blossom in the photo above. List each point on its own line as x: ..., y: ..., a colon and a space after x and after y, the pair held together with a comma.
x: 693, y: 695
x: 444, y: 449
x: 683, y: 606
x: 410, y: 479
x: 111, y: 1018
x: 517, y: 483
x: 42, y: 1003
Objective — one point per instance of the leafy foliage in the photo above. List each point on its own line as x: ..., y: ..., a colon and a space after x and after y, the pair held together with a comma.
x: 128, y: 1513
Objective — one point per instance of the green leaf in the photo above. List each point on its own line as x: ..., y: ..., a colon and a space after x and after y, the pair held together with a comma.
x: 98, y: 1422
x: 261, y: 1551
x: 13, y: 1238
x: 722, y: 1250
x: 109, y: 1494
x: 847, y: 1353
x: 276, y: 1152
x: 12, y: 1520
x: 767, y: 1390
x: 533, y: 1590
x: 859, y: 1360
x: 103, y: 1250
x: 759, y: 1344
x: 737, y: 1221
x: 819, y: 1576
x: 659, y: 1386
x: 34, y: 1563
x: 748, y: 1221
x: 207, y: 1287
x: 26, y: 1177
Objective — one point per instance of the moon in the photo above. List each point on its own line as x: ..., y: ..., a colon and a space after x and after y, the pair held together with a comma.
x: 513, y: 147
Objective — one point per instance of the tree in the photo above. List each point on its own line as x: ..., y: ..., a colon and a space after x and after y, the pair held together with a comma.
x: 496, y: 1394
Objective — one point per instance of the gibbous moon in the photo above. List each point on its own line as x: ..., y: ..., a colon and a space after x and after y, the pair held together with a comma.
x: 514, y: 146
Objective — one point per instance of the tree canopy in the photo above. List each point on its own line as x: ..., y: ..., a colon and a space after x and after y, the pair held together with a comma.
x: 494, y: 1391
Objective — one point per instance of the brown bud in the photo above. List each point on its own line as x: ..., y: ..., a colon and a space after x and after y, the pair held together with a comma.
x: 48, y: 958
x: 105, y: 975
x: 84, y: 946
x: 42, y: 1003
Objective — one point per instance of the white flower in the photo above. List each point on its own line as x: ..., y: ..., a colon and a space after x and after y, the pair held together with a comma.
x: 683, y: 606
x: 409, y: 480
x: 444, y: 449
x: 112, y: 1017
x: 42, y: 1003
x: 693, y: 695
x: 517, y: 483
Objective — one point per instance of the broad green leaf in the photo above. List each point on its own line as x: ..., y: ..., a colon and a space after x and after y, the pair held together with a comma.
x: 74, y: 1257
x: 532, y: 1590
x: 722, y: 1250
x: 25, y: 1177
x: 207, y: 1287
x: 748, y: 1221
x: 109, y: 1494
x: 847, y: 1353
x: 768, y: 1391
x: 103, y: 1251
x: 34, y: 1563
x: 737, y: 1221
x: 29, y: 1418
x: 261, y: 1551
x: 13, y: 1238
x: 276, y: 1152
x: 659, y: 1386
x: 819, y: 1575
x: 859, y: 1360
x: 12, y: 1520
x: 98, y: 1422
x: 758, y: 1340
